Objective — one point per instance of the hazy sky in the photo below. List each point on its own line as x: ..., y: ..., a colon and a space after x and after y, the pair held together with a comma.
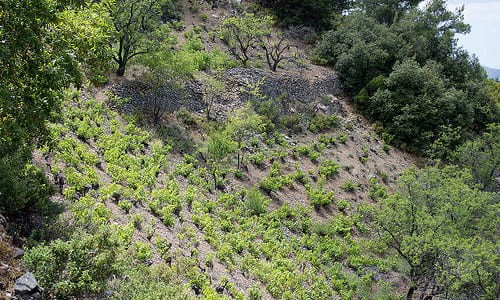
x: 484, y: 38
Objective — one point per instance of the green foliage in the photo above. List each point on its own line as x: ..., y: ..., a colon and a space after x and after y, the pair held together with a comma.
x: 37, y: 65
x: 242, y: 126
x: 342, y: 204
x: 321, y: 122
x: 342, y: 137
x: 242, y: 33
x: 258, y: 158
x: 125, y: 205
x: 79, y: 266
x: 315, y: 13
x: 482, y: 157
x: 166, y: 201
x: 275, y: 180
x: 494, y: 91
x: 24, y: 189
x: 415, y: 101
x: 143, y: 283
x: 327, y: 168
x: 142, y: 251
x: 219, y: 146
x: 350, y: 186
x: 137, y: 29
x: 256, y: 203
x: 188, y: 60
x: 417, y: 91
x: 87, y: 32
x: 376, y: 189
x: 360, y: 49
x: 255, y: 292
x: 320, y: 197
x: 443, y: 226
x: 212, y: 89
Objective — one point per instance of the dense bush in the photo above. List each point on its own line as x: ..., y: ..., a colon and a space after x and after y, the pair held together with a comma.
x: 415, y: 101
x: 360, y: 49
x: 315, y: 13
x: 405, y: 69
x: 80, y: 266
x: 443, y: 227
x: 24, y: 189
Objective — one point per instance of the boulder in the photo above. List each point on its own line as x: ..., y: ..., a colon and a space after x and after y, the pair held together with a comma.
x: 18, y: 252
x: 26, y: 287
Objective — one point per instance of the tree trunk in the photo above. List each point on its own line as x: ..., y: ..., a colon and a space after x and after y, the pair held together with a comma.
x: 121, y: 70
x: 409, y: 295
x: 238, y: 160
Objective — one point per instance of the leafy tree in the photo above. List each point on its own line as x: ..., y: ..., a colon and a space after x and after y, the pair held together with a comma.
x: 482, y: 156
x: 494, y: 92
x: 316, y: 13
x: 414, y: 101
x: 241, y: 127
x: 47, y: 47
x: 85, y: 30
x: 369, y: 52
x: 445, y: 229
x: 218, y: 147
x: 242, y: 33
x: 276, y: 48
x: 138, y: 28
x: 212, y: 90
x: 387, y: 11
x: 34, y: 68
x: 360, y: 49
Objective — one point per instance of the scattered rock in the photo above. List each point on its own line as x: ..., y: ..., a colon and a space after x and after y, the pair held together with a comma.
x: 219, y: 289
x: 18, y: 252
x: 27, y: 288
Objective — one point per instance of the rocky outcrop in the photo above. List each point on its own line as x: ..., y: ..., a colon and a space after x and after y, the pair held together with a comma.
x: 303, y: 86
x: 27, y: 288
x: 10, y: 267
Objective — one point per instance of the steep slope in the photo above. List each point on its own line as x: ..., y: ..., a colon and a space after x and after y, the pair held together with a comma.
x: 289, y: 224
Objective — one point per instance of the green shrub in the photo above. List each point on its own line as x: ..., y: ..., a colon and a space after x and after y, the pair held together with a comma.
x: 320, y: 197
x: 24, y: 189
x: 142, y: 251
x: 292, y: 123
x: 314, y: 155
x: 321, y: 122
x: 327, y: 168
x: 125, y: 205
x: 75, y: 268
x: 376, y: 190
x: 258, y: 158
x: 254, y: 292
x: 256, y: 203
x: 342, y: 138
x: 342, y: 204
x: 350, y: 186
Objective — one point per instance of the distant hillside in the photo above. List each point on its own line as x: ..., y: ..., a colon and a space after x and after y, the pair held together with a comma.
x: 492, y: 73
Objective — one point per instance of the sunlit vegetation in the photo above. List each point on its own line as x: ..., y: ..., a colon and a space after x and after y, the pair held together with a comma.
x: 269, y: 197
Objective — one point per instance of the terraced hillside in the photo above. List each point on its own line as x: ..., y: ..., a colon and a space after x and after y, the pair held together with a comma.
x: 289, y: 223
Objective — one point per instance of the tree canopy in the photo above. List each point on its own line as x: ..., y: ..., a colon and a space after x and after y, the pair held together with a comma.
x: 35, y: 66
x: 384, y: 51
x: 138, y: 28
x: 445, y: 229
